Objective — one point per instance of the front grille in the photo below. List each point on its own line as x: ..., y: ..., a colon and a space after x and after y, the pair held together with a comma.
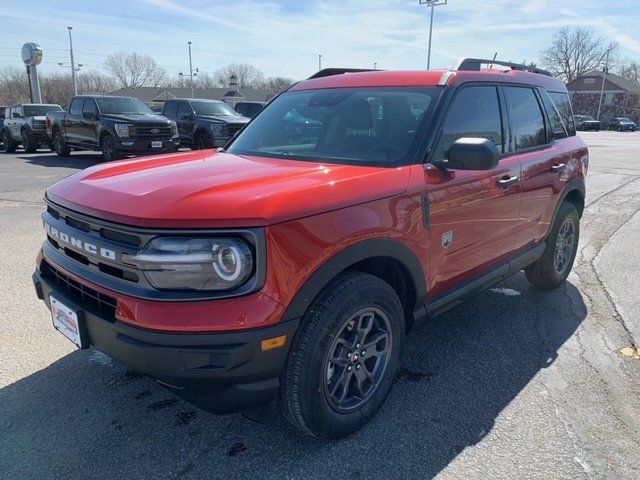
x: 39, y: 125
x: 151, y: 130
x: 230, y: 129
x: 85, y: 297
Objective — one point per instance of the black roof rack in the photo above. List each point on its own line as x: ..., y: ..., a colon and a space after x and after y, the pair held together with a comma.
x: 328, y: 72
x: 474, y: 64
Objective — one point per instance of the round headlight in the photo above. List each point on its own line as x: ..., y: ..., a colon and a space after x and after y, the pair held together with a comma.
x: 227, y: 262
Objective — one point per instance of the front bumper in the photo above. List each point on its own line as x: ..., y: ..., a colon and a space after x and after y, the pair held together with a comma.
x: 219, y: 372
x: 143, y: 145
x: 40, y: 135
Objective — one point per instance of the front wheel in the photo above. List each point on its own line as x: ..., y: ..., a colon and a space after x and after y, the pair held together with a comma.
x: 344, y: 358
x: 29, y: 143
x: 108, y: 147
x: 552, y: 269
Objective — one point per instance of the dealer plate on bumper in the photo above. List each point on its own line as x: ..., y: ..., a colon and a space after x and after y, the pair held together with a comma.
x: 156, y: 144
x: 67, y: 321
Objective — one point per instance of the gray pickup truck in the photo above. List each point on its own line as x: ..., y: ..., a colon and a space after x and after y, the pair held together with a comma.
x: 24, y: 124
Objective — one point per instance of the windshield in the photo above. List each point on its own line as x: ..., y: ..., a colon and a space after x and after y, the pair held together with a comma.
x: 218, y: 109
x: 369, y: 126
x: 122, y: 106
x: 40, y: 110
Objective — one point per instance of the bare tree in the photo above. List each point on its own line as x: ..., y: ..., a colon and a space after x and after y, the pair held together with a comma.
x: 135, y: 69
x: 576, y: 51
x: 630, y: 69
x: 277, y: 84
x: 14, y: 86
x: 94, y: 82
x: 248, y: 76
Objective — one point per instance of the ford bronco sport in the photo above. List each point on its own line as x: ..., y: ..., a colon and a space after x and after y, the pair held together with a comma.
x: 288, y: 269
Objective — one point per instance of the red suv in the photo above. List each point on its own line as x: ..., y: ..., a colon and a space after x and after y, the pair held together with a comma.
x: 290, y: 266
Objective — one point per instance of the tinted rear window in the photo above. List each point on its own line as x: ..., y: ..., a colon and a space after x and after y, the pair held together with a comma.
x: 526, y: 117
x: 563, y: 104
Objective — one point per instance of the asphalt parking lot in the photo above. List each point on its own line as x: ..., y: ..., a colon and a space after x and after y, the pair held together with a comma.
x: 516, y: 383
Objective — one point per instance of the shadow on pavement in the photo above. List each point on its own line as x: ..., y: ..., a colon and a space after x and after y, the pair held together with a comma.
x: 86, y: 417
x: 75, y: 160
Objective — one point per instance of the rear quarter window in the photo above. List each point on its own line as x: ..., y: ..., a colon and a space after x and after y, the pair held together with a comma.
x: 563, y: 103
x: 526, y: 117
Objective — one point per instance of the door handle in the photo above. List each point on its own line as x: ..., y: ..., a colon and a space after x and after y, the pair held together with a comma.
x: 558, y: 167
x: 507, y: 182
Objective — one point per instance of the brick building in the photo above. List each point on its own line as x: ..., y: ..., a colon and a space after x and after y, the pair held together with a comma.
x: 621, y: 97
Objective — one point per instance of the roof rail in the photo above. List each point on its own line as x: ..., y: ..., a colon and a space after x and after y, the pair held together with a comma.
x: 474, y: 64
x: 328, y: 72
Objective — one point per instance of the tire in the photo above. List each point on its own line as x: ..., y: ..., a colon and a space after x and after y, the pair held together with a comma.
x: 108, y: 148
x: 202, y: 142
x: 552, y: 269
x: 312, y: 385
x: 9, y: 145
x: 29, y: 143
x: 60, y: 145
x: 50, y: 146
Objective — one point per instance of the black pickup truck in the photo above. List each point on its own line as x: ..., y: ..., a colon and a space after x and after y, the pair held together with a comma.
x: 204, y: 123
x: 116, y: 126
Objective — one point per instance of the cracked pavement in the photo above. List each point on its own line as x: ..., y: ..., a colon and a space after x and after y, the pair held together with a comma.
x: 516, y: 382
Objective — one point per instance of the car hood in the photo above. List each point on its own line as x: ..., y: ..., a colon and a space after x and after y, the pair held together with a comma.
x: 209, y: 189
x: 39, y: 118
x: 223, y: 118
x: 135, y: 118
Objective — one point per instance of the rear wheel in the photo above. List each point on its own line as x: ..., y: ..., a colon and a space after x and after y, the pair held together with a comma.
x: 552, y: 269
x: 29, y: 143
x: 343, y: 360
x: 59, y: 145
x: 9, y: 145
x: 108, y: 147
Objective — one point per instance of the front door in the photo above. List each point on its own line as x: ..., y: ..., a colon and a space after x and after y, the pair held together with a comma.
x: 88, y: 129
x: 474, y: 215
x: 185, y: 123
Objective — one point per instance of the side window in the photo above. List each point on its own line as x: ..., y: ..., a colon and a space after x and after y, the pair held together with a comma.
x: 18, y: 109
x: 563, y: 104
x: 89, y: 106
x: 475, y: 112
x: 76, y: 106
x: 170, y: 109
x: 241, y: 110
x: 558, y: 129
x: 526, y: 117
x: 185, y: 108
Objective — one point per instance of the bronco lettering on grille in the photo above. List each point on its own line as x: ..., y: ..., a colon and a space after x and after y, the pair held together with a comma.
x: 79, y: 244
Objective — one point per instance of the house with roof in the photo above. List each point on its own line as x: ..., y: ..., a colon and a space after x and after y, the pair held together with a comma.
x: 156, y: 96
x: 621, y: 97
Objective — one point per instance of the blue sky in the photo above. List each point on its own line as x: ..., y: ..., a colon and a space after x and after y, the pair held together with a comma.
x: 285, y: 37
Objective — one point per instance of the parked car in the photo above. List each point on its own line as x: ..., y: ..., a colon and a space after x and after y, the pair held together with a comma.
x: 622, y: 124
x: 116, y: 126
x: 289, y: 268
x: 249, y: 109
x: 586, y: 122
x: 24, y: 124
x: 203, y: 123
x: 2, y: 113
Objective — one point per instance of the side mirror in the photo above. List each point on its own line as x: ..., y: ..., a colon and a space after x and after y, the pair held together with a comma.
x: 88, y: 115
x: 472, y: 154
x: 16, y: 115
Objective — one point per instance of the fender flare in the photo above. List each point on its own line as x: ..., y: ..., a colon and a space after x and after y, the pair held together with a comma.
x: 577, y: 184
x: 376, y: 247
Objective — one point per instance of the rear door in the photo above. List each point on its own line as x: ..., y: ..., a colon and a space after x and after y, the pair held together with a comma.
x: 185, y: 123
x: 474, y: 215
x: 537, y: 142
x: 88, y: 128
x: 72, y: 122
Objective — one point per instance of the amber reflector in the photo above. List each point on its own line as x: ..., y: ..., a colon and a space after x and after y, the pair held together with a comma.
x: 273, y: 343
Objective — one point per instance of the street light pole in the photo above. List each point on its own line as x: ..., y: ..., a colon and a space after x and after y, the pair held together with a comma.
x: 193, y: 94
x: 73, y: 65
x: 319, y: 62
x: 604, y: 79
x: 432, y: 4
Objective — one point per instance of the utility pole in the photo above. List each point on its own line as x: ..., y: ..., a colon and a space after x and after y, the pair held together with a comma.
x: 375, y: 65
x: 319, y: 62
x: 604, y: 79
x: 432, y: 4
x: 73, y: 65
x: 193, y: 93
